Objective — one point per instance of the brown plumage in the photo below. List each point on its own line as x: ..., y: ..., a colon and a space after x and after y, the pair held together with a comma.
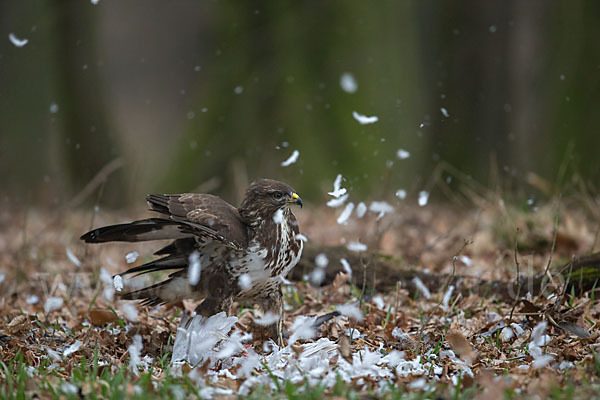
x: 242, y: 254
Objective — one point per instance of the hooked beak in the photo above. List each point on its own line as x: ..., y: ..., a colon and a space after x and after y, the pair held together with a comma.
x: 296, y: 200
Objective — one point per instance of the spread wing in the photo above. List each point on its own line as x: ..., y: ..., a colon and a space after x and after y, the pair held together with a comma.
x: 185, y: 216
x: 203, y: 215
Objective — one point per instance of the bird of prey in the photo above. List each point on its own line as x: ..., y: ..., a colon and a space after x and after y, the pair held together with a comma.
x: 240, y: 254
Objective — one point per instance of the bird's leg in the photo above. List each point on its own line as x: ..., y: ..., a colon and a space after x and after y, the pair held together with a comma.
x: 272, y: 304
x: 213, y: 305
x: 219, y: 296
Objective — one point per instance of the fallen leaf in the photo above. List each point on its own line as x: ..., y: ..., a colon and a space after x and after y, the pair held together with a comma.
x: 18, y: 324
x: 461, y: 345
x: 340, y: 280
x: 101, y: 317
x: 344, y: 348
x: 529, y: 307
x: 298, y: 350
x: 575, y: 329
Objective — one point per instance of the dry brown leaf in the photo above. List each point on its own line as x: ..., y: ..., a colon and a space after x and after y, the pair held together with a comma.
x: 542, y: 385
x: 387, y: 244
x: 204, y: 367
x: 420, y: 232
x: 566, y: 243
x: 575, y: 329
x: 18, y: 324
x: 101, y: 317
x: 340, y: 280
x: 344, y: 348
x: 461, y: 345
x: 529, y: 307
x: 298, y: 350
x: 493, y: 387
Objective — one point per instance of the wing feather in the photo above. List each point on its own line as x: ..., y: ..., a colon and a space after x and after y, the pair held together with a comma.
x: 203, y: 215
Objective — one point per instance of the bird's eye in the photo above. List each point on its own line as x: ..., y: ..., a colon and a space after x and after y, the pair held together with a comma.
x: 277, y: 196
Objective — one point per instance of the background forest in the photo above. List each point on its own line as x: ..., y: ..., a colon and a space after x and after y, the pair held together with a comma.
x: 207, y: 95
x: 466, y: 133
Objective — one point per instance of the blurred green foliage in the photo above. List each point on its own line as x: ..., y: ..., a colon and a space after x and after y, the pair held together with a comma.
x: 517, y: 82
x: 287, y: 61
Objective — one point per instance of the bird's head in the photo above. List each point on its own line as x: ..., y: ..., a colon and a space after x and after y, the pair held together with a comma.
x: 265, y: 197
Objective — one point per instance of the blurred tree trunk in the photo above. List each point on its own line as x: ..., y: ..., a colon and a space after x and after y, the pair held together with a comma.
x: 572, y: 116
x: 517, y: 80
x: 25, y: 83
x: 463, y: 57
x: 527, y: 56
x: 86, y: 139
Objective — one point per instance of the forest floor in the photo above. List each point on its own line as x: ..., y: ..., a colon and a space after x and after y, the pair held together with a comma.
x: 63, y: 334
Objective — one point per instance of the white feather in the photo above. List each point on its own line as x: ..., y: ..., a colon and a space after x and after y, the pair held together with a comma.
x: 194, y: 268
x: 361, y: 209
x: 421, y: 287
x: 16, y: 41
x: 356, y: 246
x: 291, y: 159
x: 337, y: 202
x: 363, y: 119
x: 343, y: 218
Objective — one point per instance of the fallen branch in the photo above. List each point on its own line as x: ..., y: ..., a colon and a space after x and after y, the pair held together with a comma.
x: 582, y: 272
x: 96, y: 181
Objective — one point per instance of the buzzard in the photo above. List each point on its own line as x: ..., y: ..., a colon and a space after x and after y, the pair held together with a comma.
x: 239, y: 254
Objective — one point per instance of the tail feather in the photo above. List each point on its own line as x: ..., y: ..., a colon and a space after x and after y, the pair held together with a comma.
x: 177, y: 257
x: 169, y: 291
x: 137, y: 231
x: 178, y: 247
x: 165, y: 263
x: 150, y: 295
x: 159, y: 203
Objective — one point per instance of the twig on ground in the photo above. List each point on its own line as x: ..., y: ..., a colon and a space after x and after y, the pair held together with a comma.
x: 364, y: 283
x: 397, y: 302
x: 595, y: 239
x: 560, y: 298
x: 361, y: 297
x: 425, y: 320
x: 518, y: 275
x: 452, y: 275
x: 20, y: 253
x: 555, y: 233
